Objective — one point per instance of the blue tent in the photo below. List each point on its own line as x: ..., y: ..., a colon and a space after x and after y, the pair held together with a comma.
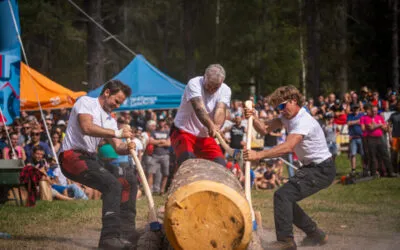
x: 151, y: 89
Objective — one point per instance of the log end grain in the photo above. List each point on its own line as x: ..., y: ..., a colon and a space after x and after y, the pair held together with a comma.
x: 206, y: 214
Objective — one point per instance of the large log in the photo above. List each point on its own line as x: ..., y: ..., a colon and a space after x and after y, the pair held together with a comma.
x: 206, y: 208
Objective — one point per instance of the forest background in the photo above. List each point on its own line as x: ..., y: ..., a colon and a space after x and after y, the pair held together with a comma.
x: 318, y: 46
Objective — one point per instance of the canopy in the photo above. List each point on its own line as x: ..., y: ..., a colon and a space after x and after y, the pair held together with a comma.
x: 151, y: 89
x: 51, y: 94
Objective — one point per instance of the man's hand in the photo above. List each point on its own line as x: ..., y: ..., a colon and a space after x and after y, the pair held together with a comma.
x: 131, y: 145
x: 213, y: 130
x: 125, y: 132
x: 248, y: 113
x: 250, y: 155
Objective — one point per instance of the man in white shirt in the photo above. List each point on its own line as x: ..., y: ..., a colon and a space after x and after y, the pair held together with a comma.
x: 90, y: 121
x: 307, y: 140
x: 200, y: 116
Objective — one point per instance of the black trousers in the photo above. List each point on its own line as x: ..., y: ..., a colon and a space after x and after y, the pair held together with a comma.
x: 379, y: 154
x: 307, y: 181
x: 117, y: 185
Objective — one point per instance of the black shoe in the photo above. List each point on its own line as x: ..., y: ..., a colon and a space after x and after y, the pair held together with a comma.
x: 114, y: 244
x: 132, y: 237
x: 317, y: 238
x: 284, y: 244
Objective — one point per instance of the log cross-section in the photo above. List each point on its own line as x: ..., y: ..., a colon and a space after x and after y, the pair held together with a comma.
x: 206, y: 208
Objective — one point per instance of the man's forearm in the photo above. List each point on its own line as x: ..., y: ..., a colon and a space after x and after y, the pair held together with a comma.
x: 259, y: 126
x: 201, y: 112
x: 97, y: 131
x: 220, y: 114
x: 276, y: 151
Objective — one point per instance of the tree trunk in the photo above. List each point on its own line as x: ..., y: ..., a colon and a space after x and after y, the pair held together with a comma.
x: 189, y: 20
x: 342, y: 18
x: 217, y: 17
x: 206, y: 208
x: 395, y: 47
x: 95, y: 56
x: 313, y: 48
x: 302, y: 58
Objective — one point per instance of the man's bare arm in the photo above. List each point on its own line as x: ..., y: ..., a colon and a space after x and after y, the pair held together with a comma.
x: 91, y: 129
x: 268, y: 127
x: 201, y: 112
x: 220, y: 114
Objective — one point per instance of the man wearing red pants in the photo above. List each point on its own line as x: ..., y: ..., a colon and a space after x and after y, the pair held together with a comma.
x: 90, y: 121
x: 200, y: 116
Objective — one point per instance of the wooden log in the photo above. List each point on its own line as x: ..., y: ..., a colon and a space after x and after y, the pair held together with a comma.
x: 206, y: 208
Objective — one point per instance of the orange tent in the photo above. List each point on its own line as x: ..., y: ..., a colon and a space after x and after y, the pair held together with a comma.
x: 51, y: 94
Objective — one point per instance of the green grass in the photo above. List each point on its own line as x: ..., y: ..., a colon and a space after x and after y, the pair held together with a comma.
x: 364, y: 209
x: 343, y: 208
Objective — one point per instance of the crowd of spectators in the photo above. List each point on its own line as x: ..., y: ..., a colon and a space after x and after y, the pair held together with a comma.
x: 370, y: 122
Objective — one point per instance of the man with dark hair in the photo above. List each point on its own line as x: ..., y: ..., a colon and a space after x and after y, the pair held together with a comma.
x: 115, y: 86
x: 90, y: 121
x: 307, y: 140
x: 35, y: 141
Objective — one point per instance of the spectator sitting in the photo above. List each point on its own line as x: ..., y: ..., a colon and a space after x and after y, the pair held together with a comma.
x: 63, y: 126
x: 38, y: 161
x: 26, y: 132
x: 60, y: 183
x: 268, y: 180
x: 19, y: 152
x: 35, y: 137
x: 55, y: 139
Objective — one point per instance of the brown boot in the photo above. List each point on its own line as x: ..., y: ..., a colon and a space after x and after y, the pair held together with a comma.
x: 317, y: 238
x: 284, y: 244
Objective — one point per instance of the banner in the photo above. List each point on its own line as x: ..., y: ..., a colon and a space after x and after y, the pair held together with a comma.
x: 10, y: 57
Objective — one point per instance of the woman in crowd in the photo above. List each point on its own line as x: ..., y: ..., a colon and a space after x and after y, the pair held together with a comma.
x: 56, y: 140
x: 18, y: 152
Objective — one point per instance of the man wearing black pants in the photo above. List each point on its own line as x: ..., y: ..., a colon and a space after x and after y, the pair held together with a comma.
x: 90, y: 121
x: 307, y: 140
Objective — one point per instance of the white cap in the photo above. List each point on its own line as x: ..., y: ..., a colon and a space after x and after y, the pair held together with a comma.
x: 61, y: 122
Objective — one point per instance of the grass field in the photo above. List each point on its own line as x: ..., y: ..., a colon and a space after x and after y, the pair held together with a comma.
x: 364, y: 209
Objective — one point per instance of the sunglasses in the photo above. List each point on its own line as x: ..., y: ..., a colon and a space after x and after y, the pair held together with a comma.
x: 36, y: 134
x: 281, y: 106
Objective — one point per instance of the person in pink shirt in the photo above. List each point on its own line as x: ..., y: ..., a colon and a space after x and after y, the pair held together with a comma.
x: 374, y: 125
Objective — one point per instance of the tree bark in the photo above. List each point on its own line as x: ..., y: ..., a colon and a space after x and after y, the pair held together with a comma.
x: 313, y: 48
x: 395, y: 47
x: 95, y: 50
x: 342, y: 23
x: 206, y: 208
x: 189, y: 20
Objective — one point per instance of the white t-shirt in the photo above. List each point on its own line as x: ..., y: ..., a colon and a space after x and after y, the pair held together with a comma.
x: 186, y: 118
x: 313, y: 148
x: 61, y: 178
x: 74, y: 137
x: 139, y: 145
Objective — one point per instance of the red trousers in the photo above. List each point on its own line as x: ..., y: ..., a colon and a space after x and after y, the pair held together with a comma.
x: 188, y: 146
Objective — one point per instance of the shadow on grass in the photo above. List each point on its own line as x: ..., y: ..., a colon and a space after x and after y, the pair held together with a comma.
x: 43, y: 238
